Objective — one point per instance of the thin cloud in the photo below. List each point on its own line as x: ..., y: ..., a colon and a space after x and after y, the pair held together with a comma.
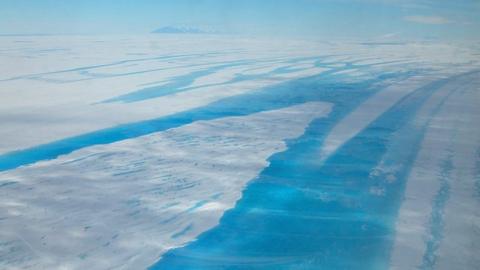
x: 390, y: 35
x: 427, y: 19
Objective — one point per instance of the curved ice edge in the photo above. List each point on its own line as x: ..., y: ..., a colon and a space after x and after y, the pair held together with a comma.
x: 436, y: 225
x: 373, y: 108
x: 123, y: 204
x: 213, y: 242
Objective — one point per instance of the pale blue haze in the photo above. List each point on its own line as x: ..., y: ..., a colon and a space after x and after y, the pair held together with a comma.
x: 308, y: 18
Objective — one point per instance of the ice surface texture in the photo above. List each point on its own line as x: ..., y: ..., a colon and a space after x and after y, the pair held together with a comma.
x: 205, y: 152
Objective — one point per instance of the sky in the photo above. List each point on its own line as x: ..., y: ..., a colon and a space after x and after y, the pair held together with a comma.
x: 368, y: 19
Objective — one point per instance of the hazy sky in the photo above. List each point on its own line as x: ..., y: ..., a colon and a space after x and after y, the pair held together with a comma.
x: 389, y: 19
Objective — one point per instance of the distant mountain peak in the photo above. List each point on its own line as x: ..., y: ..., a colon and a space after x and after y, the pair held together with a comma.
x: 177, y: 30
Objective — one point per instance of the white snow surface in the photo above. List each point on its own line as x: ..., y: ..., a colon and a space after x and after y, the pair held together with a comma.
x: 121, y: 205
x: 52, y: 85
